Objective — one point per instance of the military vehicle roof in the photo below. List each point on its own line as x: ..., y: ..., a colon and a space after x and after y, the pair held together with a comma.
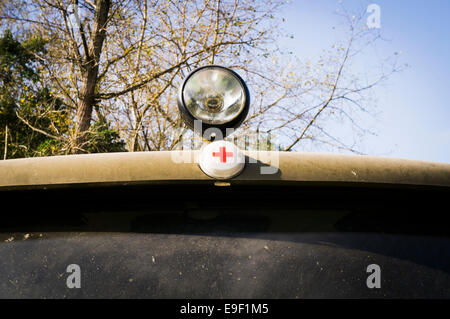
x: 180, y: 167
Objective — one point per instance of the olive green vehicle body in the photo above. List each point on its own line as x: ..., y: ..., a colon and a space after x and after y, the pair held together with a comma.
x: 181, y: 166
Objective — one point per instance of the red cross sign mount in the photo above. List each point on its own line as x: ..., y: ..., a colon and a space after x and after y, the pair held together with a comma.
x: 221, y: 160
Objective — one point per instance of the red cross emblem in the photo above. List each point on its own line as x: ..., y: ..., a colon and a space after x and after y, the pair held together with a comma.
x: 222, y: 154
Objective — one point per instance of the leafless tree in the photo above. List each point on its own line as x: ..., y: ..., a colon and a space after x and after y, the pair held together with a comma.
x: 125, y: 60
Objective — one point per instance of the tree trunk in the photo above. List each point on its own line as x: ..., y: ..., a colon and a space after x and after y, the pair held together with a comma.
x: 90, y: 77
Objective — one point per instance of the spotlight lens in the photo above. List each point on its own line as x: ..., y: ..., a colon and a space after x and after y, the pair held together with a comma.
x: 214, y: 95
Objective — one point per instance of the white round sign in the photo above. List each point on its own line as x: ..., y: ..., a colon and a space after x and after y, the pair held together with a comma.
x: 221, y: 159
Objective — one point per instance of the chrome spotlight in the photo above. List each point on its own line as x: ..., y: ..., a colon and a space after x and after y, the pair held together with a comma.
x: 215, y: 95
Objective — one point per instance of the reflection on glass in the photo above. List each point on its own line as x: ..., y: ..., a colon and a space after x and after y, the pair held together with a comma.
x: 214, y: 96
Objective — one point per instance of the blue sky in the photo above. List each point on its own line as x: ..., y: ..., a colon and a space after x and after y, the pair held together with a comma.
x: 415, y: 109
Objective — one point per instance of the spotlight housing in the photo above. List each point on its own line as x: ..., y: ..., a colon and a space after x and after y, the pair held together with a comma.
x: 215, y: 95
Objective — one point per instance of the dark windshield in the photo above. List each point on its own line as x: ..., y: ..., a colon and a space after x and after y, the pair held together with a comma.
x: 248, y: 241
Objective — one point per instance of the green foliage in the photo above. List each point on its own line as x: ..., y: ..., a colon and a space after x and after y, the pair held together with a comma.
x: 104, y: 139
x: 16, y: 60
x: 22, y: 92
